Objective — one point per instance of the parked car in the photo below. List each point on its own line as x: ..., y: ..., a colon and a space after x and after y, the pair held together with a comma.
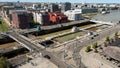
x: 47, y: 56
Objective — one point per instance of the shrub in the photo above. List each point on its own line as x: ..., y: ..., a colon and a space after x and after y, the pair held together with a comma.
x: 88, y: 49
x: 94, y: 46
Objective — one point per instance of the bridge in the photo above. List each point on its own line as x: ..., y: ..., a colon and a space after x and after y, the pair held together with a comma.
x: 34, y: 48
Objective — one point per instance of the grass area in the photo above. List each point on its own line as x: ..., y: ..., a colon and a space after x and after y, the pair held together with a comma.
x: 7, y: 45
x: 51, y: 34
x: 92, y: 29
x: 69, y: 36
x: 59, y: 32
x: 102, y: 26
x: 85, y: 26
x: 3, y: 26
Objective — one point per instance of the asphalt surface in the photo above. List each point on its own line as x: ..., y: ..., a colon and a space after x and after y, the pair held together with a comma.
x: 85, y: 41
x: 78, y: 44
x: 29, y: 44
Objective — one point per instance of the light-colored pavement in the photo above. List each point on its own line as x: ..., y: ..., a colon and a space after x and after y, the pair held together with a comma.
x: 54, y: 59
x: 92, y: 60
x: 38, y: 62
x: 76, y: 45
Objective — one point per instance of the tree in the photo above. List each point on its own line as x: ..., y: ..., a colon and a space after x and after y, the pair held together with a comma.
x: 94, y: 46
x: 4, y: 63
x: 116, y: 35
x: 88, y: 49
x: 107, y: 39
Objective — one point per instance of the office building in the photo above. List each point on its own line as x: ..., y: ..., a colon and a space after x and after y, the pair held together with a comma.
x: 54, y: 7
x: 73, y: 14
x: 57, y: 17
x: 41, y: 17
x: 21, y: 19
x: 66, y: 6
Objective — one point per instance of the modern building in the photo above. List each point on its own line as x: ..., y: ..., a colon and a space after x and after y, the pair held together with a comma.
x: 36, y: 6
x: 88, y: 10
x: 74, y: 14
x: 54, y: 7
x: 21, y: 19
x: 6, y: 9
x: 65, y: 6
x: 57, y: 17
x: 41, y: 17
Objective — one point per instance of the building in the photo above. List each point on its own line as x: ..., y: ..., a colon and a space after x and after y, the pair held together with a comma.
x: 54, y: 7
x: 73, y: 15
x: 41, y: 17
x: 57, y: 17
x: 88, y: 10
x: 6, y: 9
x: 66, y: 6
x: 36, y: 6
x: 21, y: 19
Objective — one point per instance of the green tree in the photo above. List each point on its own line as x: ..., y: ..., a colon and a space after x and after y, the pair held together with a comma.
x: 116, y: 35
x: 4, y: 63
x: 88, y: 49
x: 94, y: 46
x: 107, y: 39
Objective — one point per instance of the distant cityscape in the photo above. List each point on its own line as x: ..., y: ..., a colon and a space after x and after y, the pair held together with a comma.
x: 59, y: 35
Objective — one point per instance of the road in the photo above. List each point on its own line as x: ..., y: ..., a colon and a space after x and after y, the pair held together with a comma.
x: 54, y: 59
x: 76, y: 45
x: 103, y: 34
x: 31, y: 45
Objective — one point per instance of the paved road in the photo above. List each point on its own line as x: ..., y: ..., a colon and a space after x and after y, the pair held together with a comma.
x: 103, y: 34
x: 31, y: 45
x: 86, y: 41
x: 76, y: 45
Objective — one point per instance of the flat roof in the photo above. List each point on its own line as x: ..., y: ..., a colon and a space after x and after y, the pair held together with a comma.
x: 112, y: 17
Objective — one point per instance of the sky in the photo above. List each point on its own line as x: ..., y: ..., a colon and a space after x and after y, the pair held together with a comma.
x: 73, y: 1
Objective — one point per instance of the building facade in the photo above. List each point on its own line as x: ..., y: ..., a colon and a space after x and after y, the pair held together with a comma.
x: 21, y: 19
x: 66, y: 6
x: 89, y: 10
x: 57, y: 17
x: 73, y: 15
x: 54, y: 7
x: 41, y: 17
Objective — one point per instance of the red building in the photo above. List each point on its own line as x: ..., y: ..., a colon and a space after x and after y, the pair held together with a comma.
x: 57, y: 17
x: 21, y: 19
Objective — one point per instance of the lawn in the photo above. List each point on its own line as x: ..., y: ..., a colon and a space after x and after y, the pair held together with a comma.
x: 102, y: 26
x: 3, y: 26
x: 85, y: 26
x: 69, y: 36
x: 51, y: 34
x: 92, y: 29
x: 59, y: 32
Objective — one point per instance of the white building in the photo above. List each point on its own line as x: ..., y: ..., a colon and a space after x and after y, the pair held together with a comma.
x: 41, y: 17
x: 36, y: 6
x: 74, y: 14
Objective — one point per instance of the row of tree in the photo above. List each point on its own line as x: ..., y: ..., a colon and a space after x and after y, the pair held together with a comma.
x: 107, y: 42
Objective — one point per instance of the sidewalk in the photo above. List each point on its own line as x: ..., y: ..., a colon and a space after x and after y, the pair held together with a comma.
x: 93, y: 60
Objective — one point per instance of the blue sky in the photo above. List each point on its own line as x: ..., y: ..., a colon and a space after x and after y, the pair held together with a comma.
x: 77, y: 1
